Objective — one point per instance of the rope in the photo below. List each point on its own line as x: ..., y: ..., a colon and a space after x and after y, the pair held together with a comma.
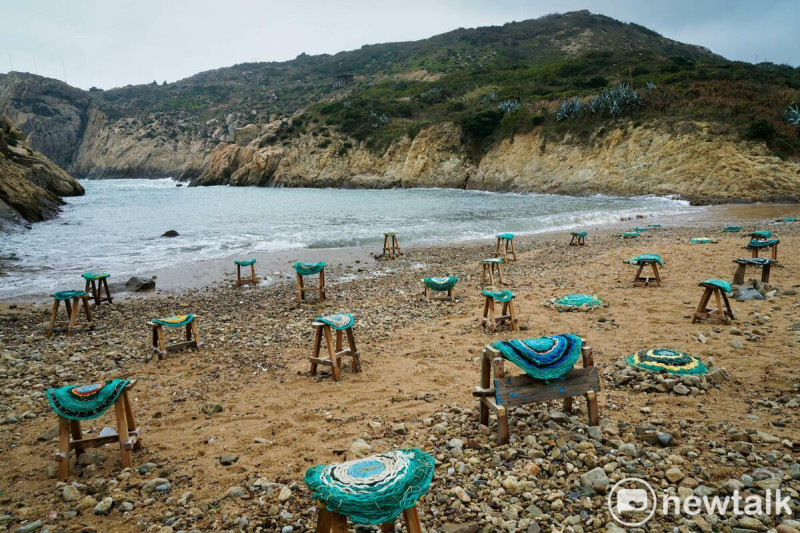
x: 309, y: 269
x: 174, y: 321
x: 667, y: 360
x: 441, y: 284
x: 724, y: 285
x: 546, y: 358
x: 85, y: 402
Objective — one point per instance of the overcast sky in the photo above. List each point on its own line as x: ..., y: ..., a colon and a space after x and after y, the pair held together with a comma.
x: 113, y: 43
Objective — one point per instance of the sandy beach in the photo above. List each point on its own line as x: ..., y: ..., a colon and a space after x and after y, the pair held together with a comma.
x: 420, y: 366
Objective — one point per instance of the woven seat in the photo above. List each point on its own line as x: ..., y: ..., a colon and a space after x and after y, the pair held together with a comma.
x: 245, y: 262
x: 787, y: 219
x: 667, y: 360
x: 724, y: 285
x: 490, y: 267
x: 73, y: 301
x: 498, y: 296
x: 642, y: 261
x: 732, y: 229
x: 95, y: 275
x: 577, y: 302
x: 578, y: 238
x: 640, y: 229
x: 579, y: 234
x: 654, y: 226
x: 174, y: 321
x: 630, y: 234
x: 68, y: 295
x: 339, y: 321
x: 764, y: 263
x: 756, y: 245
x: 441, y: 284
x: 760, y: 234
x: 702, y: 240
x: 309, y: 269
x: 762, y: 244
x: 545, y: 358
x: 492, y: 260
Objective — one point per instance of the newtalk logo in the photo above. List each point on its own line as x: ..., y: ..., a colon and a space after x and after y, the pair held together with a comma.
x: 633, y: 502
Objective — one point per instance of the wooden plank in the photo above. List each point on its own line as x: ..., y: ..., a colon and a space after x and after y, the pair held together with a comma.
x: 521, y: 390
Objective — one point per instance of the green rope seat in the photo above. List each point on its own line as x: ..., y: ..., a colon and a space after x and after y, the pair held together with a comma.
x: 245, y: 262
x: 762, y: 234
x: 68, y: 295
x: 666, y: 360
x: 731, y: 229
x: 645, y: 259
x: 579, y: 233
x: 174, y: 321
x: 492, y: 260
x: 654, y: 226
x: 718, y: 283
x: 572, y: 302
x: 339, y: 321
x: 640, y: 230
x: 390, y: 233
x: 506, y: 236
x: 498, y: 296
x: 93, y: 276
x: 441, y: 284
x: 546, y: 358
x: 702, y: 240
x: 85, y: 402
x: 787, y: 219
x: 630, y: 235
x: 755, y: 261
x: 375, y: 489
x: 309, y: 269
x: 762, y: 244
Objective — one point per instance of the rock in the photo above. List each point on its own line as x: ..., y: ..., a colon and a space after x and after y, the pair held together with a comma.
x: 228, y: 459
x: 596, y: 476
x: 360, y: 448
x: 149, y: 486
x: 70, y: 493
x: 461, y: 494
x: 146, y: 468
x: 104, y: 506
x: 137, y: 284
x: 681, y: 389
x: 284, y: 494
x: 89, y: 458
x: 27, y: 528
x: 50, y: 434
x: 170, y: 233
x: 674, y: 475
x: 664, y: 439
x: 400, y: 429
x: 746, y: 292
x: 211, y: 408
x: 235, y: 493
x: 86, y: 503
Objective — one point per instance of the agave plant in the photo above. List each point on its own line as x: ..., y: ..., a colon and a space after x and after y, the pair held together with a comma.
x: 508, y: 106
x: 792, y: 115
x: 569, y: 109
x: 649, y: 85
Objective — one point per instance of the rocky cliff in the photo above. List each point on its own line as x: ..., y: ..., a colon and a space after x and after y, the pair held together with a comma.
x: 30, y: 184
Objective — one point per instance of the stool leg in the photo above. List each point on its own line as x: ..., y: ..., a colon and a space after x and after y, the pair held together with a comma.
x: 727, y: 305
x: 122, y: 428
x: 385, y: 244
x: 188, y: 334
x: 353, y: 350
x: 96, y: 291
x: 162, y: 342
x: 775, y: 252
x: 497, y: 248
x: 594, y: 412
x: 253, y: 274
x: 132, y: 426
x: 323, y: 520
x: 322, y: 284
x: 738, y: 276
x: 656, y: 274
x: 197, y: 342
x: 397, y: 243
x: 63, y: 448
x: 492, y: 319
x: 338, y: 523
x: 764, y: 274
x: 300, y: 295
x: 315, y: 352
x: 491, y: 274
x: 512, y: 315
x: 73, y: 316
x: 338, y: 341
x: 513, y: 251
x: 486, y: 310
x: 329, y: 340
x: 638, y: 275
x: 500, y: 274
x: 53, y: 315
x: 88, y: 310
x: 75, y: 430
x: 701, y: 307
x: 108, y: 292
x: 387, y: 527
x: 720, y: 311
x: 238, y: 275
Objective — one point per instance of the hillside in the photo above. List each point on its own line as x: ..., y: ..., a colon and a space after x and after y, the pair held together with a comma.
x: 563, y: 82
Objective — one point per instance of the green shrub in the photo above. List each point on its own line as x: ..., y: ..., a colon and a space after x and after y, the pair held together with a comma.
x: 760, y: 130
x: 480, y: 125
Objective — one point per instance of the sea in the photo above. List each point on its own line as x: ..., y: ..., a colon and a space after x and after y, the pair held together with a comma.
x: 117, y: 225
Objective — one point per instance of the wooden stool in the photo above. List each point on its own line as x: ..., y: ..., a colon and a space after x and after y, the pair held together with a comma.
x: 330, y: 522
x: 391, y: 247
x: 98, y: 284
x: 439, y: 285
x: 71, y: 324
x: 309, y: 269
x: 340, y: 323
x: 755, y: 246
x: 160, y: 345
x: 765, y: 264
x: 505, y: 244
x: 70, y: 436
x: 505, y: 392
x: 252, y: 279
x: 642, y: 261
x: 489, y: 266
x: 719, y: 290
x: 489, y: 317
x: 578, y: 238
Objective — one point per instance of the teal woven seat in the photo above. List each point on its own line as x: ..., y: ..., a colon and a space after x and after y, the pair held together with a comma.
x: 731, y: 229
x: 579, y: 233
x: 654, y: 226
x: 174, y: 321
x: 545, y: 358
x: 646, y: 259
x: 498, y: 296
x: 578, y: 301
x: 787, y: 219
x: 718, y: 283
x: 375, y: 489
x: 702, y: 240
x: 506, y: 236
x: 309, y: 269
x: 94, y: 276
x: 762, y: 234
x: 245, y: 262
x: 630, y: 235
x: 666, y: 360
x: 442, y: 284
x: 85, y: 402
x: 339, y: 321
x: 68, y: 295
x: 762, y: 244
x: 492, y: 260
x: 640, y: 230
x: 755, y: 261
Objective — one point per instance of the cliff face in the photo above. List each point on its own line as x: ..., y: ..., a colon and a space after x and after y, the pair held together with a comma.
x: 30, y: 184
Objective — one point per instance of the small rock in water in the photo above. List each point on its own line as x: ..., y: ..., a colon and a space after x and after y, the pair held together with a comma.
x: 170, y: 233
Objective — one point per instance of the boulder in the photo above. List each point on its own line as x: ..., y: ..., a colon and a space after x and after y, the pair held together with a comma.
x: 170, y: 233
x: 136, y: 284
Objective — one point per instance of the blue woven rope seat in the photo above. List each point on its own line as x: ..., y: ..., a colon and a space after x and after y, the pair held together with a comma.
x: 309, y: 269
x: 572, y: 302
x: 702, y: 240
x: 339, y: 321
x: 578, y: 233
x: 375, y: 489
x: 718, y: 283
x: 630, y: 235
x: 640, y: 230
x: 787, y: 219
x: 442, y: 284
x: 645, y: 259
x: 492, y: 260
x: 68, y: 295
x: 731, y: 229
x: 545, y: 358
x: 94, y: 276
x: 506, y: 236
x: 755, y: 261
x: 762, y: 244
x: 85, y: 402
x: 667, y: 360
x: 174, y: 321
x: 761, y: 234
x: 654, y: 226
x: 498, y: 296
x: 245, y: 262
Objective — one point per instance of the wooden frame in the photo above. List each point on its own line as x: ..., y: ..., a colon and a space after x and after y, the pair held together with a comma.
x: 443, y: 296
x: 302, y: 289
x: 96, y: 287
x: 335, y: 351
x: 160, y: 345
x: 720, y: 315
x: 71, y: 325
x: 772, y: 248
x: 391, y: 246
x: 128, y: 435
x: 577, y: 240
x: 487, y: 272
x: 330, y: 522
x: 507, y: 391
x: 647, y: 281
x: 492, y: 320
x: 503, y: 247
x: 252, y: 279
x: 741, y: 271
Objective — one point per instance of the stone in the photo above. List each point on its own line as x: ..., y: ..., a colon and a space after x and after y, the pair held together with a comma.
x: 664, y: 439
x: 681, y: 389
x: 400, y: 429
x: 360, y: 448
x: 146, y: 468
x: 104, y: 506
x: 284, y: 494
x: 86, y: 503
x: 27, y: 528
x: 596, y: 476
x: 211, y: 408
x: 746, y: 292
x: 235, y: 492
x: 674, y: 475
x: 170, y: 233
x: 228, y: 459
x: 137, y: 284
x: 149, y: 486
x: 70, y: 493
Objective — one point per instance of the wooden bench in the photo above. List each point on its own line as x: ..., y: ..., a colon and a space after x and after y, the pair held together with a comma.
x: 73, y: 301
x: 97, y: 286
x: 640, y: 280
x: 160, y: 346
x: 335, y: 351
x: 719, y: 315
x: 741, y: 269
x: 503, y: 392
